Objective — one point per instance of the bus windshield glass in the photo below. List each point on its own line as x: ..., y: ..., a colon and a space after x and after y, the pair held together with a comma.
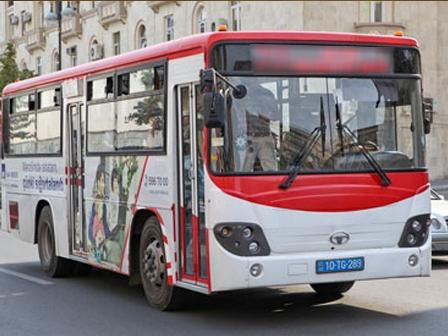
x: 318, y: 108
x: 267, y: 129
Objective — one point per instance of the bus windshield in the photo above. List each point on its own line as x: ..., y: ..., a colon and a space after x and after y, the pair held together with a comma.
x: 266, y: 130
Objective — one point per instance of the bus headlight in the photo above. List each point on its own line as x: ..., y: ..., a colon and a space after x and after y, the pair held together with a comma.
x: 242, y: 239
x: 415, y: 231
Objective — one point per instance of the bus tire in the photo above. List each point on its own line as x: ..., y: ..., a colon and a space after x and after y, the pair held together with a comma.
x: 153, y: 273
x: 333, y: 288
x: 51, y: 264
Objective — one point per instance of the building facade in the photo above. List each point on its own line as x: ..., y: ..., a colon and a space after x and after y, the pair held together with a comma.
x: 91, y: 30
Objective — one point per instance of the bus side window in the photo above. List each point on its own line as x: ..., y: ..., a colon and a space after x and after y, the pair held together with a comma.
x: 102, y: 88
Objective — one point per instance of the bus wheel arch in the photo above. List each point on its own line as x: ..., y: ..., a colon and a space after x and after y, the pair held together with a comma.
x: 40, y: 205
x: 138, y: 221
x: 51, y: 263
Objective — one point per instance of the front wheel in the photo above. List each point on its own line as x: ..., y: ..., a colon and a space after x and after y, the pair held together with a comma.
x: 53, y: 265
x: 333, y: 288
x: 153, y: 272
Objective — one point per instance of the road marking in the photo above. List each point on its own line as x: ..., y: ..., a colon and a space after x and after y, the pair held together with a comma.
x: 26, y: 277
x: 18, y: 294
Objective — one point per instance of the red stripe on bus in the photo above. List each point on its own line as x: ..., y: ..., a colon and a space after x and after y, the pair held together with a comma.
x: 182, y: 241
x: 207, y: 256
x: 168, y: 265
x: 165, y: 239
x: 170, y: 280
x: 325, y: 192
x: 195, y: 222
x: 173, y: 210
x: 126, y: 239
x: 137, y: 194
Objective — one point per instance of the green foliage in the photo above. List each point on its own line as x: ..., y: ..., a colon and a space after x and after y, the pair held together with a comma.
x: 149, y: 110
x: 9, y: 72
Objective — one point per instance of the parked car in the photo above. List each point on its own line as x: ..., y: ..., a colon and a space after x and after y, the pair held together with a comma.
x: 439, y: 225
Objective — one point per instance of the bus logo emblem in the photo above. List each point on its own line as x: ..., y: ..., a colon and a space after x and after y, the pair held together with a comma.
x: 339, y: 238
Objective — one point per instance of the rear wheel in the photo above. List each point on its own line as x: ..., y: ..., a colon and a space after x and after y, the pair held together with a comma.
x: 333, y: 288
x: 153, y: 272
x: 53, y: 265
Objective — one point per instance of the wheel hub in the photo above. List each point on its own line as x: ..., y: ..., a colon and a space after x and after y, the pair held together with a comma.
x: 154, y: 263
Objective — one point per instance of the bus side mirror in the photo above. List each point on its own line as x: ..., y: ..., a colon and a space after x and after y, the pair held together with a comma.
x: 214, y: 110
x: 428, y: 113
x: 207, y: 80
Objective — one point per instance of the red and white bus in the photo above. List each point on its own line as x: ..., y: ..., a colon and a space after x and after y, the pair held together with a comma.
x: 223, y: 161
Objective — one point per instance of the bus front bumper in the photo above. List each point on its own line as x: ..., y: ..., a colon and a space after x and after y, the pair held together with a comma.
x: 232, y: 272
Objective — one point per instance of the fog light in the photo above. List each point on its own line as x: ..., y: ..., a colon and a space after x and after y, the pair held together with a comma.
x: 436, y: 224
x: 226, y: 232
x: 247, y: 232
x: 413, y: 260
x: 256, y: 269
x: 253, y: 247
x: 411, y: 239
x: 417, y: 226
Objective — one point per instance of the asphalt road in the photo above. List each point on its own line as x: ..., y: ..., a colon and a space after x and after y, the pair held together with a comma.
x: 102, y: 303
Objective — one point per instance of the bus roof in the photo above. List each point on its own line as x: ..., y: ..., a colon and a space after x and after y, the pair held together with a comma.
x: 196, y: 44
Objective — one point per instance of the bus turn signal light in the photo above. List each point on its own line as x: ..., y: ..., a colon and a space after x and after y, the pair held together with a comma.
x: 222, y: 28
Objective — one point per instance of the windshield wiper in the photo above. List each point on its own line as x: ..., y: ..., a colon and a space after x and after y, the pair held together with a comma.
x: 300, y: 158
x: 339, y: 127
x: 385, y: 181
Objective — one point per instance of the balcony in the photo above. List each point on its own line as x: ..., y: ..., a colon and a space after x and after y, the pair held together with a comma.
x: 155, y: 5
x: 71, y: 27
x: 379, y: 28
x: 110, y: 12
x: 35, y: 39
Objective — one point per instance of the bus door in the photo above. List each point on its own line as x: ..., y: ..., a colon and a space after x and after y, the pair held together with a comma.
x: 192, y: 206
x: 75, y: 177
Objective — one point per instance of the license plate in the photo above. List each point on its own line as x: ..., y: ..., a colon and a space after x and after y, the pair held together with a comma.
x: 340, y: 265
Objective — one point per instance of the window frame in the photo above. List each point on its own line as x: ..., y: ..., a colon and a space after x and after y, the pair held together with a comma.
x: 116, y: 99
x: 372, y: 12
x: 169, y: 29
x: 116, y: 45
x: 6, y: 122
x: 235, y: 15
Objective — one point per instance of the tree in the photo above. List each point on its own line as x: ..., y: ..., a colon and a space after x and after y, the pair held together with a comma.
x: 148, y: 111
x: 9, y: 72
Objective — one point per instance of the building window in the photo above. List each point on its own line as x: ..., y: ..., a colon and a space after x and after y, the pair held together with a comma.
x: 96, y: 50
x: 12, y: 19
x: 142, y: 41
x: 235, y: 10
x: 55, y: 65
x: 41, y: 13
x: 116, y: 43
x: 201, y: 20
x: 22, y: 22
x: 377, y: 11
x: 72, y: 52
x: 39, y: 65
x: 169, y: 27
